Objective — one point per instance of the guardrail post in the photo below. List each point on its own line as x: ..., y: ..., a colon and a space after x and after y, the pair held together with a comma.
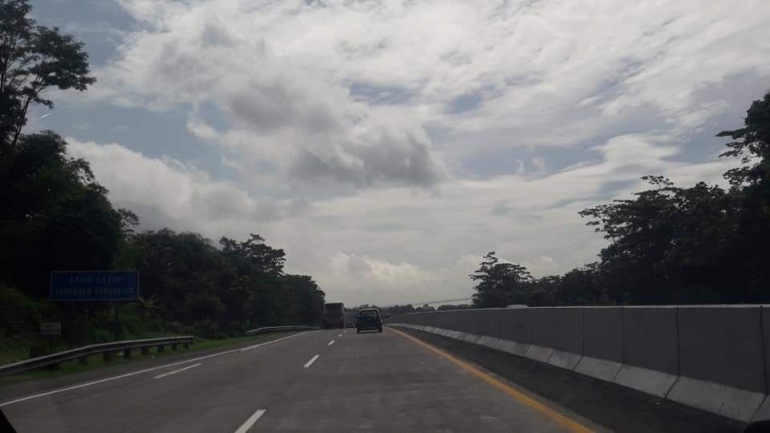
x: 160, y: 348
x: 106, y: 356
x: 145, y: 350
x: 127, y: 353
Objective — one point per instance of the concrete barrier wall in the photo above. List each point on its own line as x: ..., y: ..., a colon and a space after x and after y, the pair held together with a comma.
x: 568, y: 329
x: 722, y: 345
x: 441, y: 319
x: 602, y: 343
x: 541, y: 324
x: 468, y: 321
x: 603, y: 333
x: 721, y: 359
x: 716, y: 358
x: 650, y: 338
x: 489, y: 325
x: 514, y: 325
x: 557, y: 336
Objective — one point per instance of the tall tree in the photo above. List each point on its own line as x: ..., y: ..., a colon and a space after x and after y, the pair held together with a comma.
x: 254, y: 254
x: 34, y: 58
x: 53, y: 214
x: 668, y: 244
x: 751, y: 186
x: 500, y: 284
x: 752, y: 144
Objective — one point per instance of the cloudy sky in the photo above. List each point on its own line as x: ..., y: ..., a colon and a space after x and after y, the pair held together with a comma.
x: 388, y: 145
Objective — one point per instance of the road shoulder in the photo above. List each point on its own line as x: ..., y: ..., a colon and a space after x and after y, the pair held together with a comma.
x: 17, y: 389
x: 610, y: 405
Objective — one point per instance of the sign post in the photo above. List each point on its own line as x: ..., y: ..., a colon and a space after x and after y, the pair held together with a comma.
x: 49, y: 329
x: 94, y: 285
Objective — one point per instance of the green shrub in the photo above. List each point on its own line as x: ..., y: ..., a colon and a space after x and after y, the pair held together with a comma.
x: 19, y: 316
x: 206, y: 328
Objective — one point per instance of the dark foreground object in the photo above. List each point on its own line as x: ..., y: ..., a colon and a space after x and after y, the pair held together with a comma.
x: 5, y: 426
x: 613, y: 406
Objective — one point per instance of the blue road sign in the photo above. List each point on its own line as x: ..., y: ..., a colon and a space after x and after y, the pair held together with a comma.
x: 94, y: 285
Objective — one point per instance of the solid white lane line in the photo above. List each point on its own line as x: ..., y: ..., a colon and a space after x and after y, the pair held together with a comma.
x: 270, y: 342
x: 134, y: 373
x: 251, y: 421
x: 312, y: 360
x: 110, y: 379
x: 330, y: 343
x: 177, y: 371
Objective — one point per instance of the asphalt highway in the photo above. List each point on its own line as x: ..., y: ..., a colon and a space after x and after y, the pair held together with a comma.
x: 314, y: 381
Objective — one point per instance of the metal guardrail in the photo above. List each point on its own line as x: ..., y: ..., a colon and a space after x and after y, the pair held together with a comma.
x: 106, y: 349
x: 268, y: 329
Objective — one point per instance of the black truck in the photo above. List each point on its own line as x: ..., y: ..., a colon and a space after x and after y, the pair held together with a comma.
x: 334, y: 315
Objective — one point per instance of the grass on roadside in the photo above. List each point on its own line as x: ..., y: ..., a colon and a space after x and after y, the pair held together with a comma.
x: 96, y: 362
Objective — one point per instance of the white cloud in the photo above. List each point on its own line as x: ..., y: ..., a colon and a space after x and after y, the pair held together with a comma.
x: 175, y: 194
x: 508, y: 117
x: 201, y: 129
x: 304, y: 79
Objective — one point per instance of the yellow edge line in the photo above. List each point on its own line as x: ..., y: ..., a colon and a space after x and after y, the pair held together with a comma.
x: 569, y: 423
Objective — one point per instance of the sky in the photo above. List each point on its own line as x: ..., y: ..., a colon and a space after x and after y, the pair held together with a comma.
x: 388, y: 145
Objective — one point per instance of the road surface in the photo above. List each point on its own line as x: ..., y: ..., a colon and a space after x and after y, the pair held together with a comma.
x: 314, y: 381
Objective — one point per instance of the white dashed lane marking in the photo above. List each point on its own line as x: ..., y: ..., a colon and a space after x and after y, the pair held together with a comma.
x: 312, y: 360
x: 251, y: 421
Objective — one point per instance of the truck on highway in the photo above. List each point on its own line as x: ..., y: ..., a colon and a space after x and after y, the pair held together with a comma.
x: 334, y: 315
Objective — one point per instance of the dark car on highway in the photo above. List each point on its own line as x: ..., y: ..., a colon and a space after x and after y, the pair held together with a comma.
x: 368, y: 319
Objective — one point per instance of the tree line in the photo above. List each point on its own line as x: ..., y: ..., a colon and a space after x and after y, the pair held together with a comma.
x: 667, y: 245
x: 54, y: 215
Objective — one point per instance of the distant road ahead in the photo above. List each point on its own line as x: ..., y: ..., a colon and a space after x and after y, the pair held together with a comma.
x: 316, y: 381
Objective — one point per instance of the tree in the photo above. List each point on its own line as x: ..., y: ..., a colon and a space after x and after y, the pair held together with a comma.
x: 308, y: 299
x: 148, y: 307
x: 751, y: 189
x: 33, y: 58
x: 677, y: 245
x: 254, y: 254
x: 752, y: 144
x: 500, y: 284
x: 53, y: 214
x: 580, y: 286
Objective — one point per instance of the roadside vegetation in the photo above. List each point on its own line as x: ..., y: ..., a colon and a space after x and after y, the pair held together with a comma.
x: 54, y: 215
